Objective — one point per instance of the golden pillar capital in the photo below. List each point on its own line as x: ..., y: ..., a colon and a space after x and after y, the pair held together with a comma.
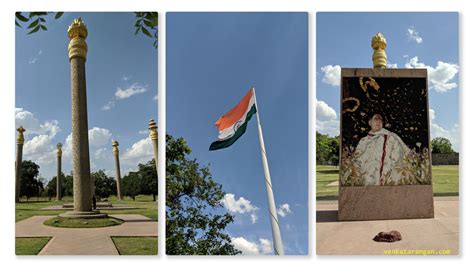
x: 59, y: 146
x: 77, y: 33
x: 379, y: 56
x: 115, y: 149
x: 21, y: 138
x: 152, y: 130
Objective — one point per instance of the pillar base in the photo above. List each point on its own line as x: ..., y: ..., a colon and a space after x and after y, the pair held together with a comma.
x: 95, y: 214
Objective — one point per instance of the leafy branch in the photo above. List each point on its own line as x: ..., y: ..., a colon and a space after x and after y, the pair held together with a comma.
x: 34, y: 21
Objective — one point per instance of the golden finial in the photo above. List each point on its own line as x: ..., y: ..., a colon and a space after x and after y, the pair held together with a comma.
x: 77, y: 32
x: 59, y: 146
x: 115, y: 145
x: 21, y: 139
x: 379, y: 56
x: 152, y: 130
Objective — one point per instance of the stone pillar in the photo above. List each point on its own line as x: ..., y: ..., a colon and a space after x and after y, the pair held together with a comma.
x: 58, y: 174
x: 154, y: 139
x: 77, y: 33
x: 19, y: 159
x: 379, y: 56
x: 118, y: 178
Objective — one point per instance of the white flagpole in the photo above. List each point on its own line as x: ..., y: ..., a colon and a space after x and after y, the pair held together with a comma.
x: 277, y: 244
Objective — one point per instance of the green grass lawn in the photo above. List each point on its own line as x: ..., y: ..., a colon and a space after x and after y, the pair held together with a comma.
x: 144, y: 205
x: 445, y: 181
x: 30, y: 245
x: 82, y: 223
x: 136, y: 245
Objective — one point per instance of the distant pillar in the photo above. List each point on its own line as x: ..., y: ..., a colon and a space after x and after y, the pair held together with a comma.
x: 58, y: 174
x: 379, y: 56
x: 19, y: 158
x: 154, y: 140
x: 115, y: 150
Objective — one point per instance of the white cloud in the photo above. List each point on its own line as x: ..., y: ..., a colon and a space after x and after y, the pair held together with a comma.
x: 109, y: 105
x: 326, y: 119
x: 284, y: 210
x: 40, y: 149
x: 439, y: 77
x: 332, y: 74
x: 252, y: 248
x: 99, y: 136
x: 324, y: 111
x: 35, y: 58
x: 124, y: 93
x: 240, y: 206
x: 392, y: 66
x: 38, y: 145
x: 265, y: 246
x: 126, y: 78
x: 101, y: 153
x: 134, y: 89
x: 155, y: 98
x: 413, y: 35
x: 437, y: 130
x: 139, y: 152
x: 143, y: 132
x: 253, y: 218
x: 32, y: 125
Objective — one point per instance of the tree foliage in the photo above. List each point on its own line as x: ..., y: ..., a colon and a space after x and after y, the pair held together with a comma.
x: 441, y: 145
x: 51, y: 186
x: 146, y: 23
x: 105, y: 186
x: 327, y: 149
x: 30, y: 184
x: 193, y: 224
x: 142, y: 182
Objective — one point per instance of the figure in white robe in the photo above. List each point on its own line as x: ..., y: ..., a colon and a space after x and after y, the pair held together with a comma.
x: 380, y: 155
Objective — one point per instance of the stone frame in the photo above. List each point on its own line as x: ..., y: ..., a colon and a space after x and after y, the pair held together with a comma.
x: 356, y: 203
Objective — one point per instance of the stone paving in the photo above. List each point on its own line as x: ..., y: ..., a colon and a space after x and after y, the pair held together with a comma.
x: 85, y: 241
x: 355, y: 238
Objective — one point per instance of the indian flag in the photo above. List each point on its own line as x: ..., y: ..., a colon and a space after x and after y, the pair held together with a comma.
x: 233, y: 124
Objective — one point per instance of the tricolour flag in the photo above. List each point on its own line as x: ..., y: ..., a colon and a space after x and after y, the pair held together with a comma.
x: 233, y: 124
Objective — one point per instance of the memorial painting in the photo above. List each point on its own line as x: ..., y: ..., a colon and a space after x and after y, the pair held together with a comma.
x: 384, y: 131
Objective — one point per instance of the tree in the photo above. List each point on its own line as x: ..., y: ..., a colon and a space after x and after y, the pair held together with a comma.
x: 327, y: 149
x: 68, y: 185
x: 131, y: 185
x: 148, y: 178
x: 51, y: 186
x: 145, y: 22
x: 30, y: 185
x: 105, y: 186
x: 441, y: 145
x: 193, y: 225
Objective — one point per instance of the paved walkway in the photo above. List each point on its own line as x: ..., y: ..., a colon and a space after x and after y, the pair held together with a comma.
x: 85, y: 241
x: 355, y: 238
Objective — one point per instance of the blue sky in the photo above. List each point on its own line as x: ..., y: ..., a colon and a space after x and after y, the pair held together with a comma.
x: 121, y: 73
x: 212, y: 60
x: 415, y: 40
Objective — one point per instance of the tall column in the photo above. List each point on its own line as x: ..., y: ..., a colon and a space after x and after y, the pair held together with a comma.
x: 58, y: 174
x: 115, y: 150
x: 77, y: 33
x: 154, y: 139
x: 379, y: 56
x: 19, y: 158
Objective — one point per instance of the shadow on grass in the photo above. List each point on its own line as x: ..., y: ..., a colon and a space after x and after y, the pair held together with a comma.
x: 323, y: 216
x: 328, y: 171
